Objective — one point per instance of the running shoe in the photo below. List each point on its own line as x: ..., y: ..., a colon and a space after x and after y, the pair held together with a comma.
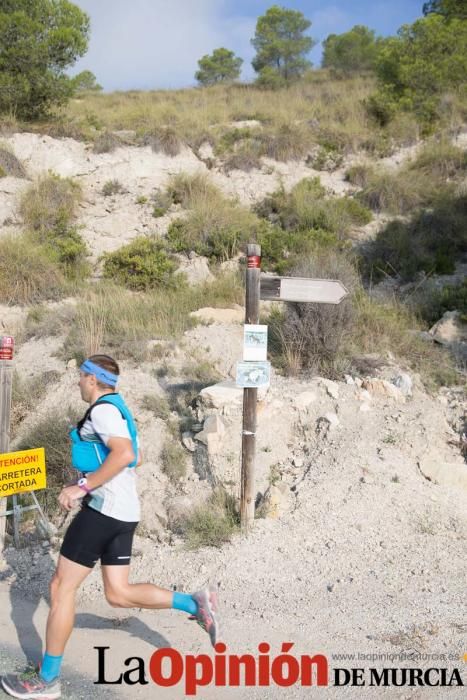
x: 206, y: 617
x: 29, y: 684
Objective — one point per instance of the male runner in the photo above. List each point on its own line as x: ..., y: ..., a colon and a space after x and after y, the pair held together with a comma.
x: 103, y: 529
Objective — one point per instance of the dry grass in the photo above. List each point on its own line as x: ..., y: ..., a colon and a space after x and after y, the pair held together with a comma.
x: 9, y: 163
x: 27, y: 275
x: 49, y: 203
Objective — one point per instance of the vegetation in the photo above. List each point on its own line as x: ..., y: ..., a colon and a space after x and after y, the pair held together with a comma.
x: 173, y: 461
x: 351, y: 52
x: 426, y: 60
x: 85, y: 82
x: 47, y: 208
x: 140, y: 265
x: 446, y: 8
x: 213, y: 523
x: 40, y: 39
x: 27, y: 275
x: 112, y: 187
x: 222, y: 66
x: 281, y: 46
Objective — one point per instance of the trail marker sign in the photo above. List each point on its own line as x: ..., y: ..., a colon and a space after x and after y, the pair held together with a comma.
x: 302, y: 289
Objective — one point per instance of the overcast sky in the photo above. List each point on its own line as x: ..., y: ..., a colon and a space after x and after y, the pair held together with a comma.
x: 151, y: 44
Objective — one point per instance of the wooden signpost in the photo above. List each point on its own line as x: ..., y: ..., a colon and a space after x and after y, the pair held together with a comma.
x: 270, y: 288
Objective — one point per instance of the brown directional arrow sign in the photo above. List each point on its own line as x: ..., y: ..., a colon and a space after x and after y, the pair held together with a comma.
x: 302, y: 289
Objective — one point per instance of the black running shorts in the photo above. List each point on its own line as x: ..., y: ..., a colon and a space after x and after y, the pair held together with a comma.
x: 92, y: 536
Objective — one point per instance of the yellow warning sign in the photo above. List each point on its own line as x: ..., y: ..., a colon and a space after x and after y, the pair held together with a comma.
x: 22, y: 471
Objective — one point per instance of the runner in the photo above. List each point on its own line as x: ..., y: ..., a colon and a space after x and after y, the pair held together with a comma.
x: 105, y: 449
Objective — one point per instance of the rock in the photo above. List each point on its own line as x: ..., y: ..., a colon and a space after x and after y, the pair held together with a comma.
x: 330, y: 420
x: 404, y: 383
x: 363, y: 395
x: 206, y: 151
x: 381, y: 387
x: 221, y: 395
x: 304, y: 399
x: 365, y: 407
x: 298, y: 462
x: 277, y: 500
x: 211, y: 315
x: 332, y: 388
x: 349, y: 379
x: 196, y: 269
x: 449, y: 329
x: 453, y: 474
x: 212, y: 434
x: 71, y: 364
x: 188, y: 442
x: 177, y: 511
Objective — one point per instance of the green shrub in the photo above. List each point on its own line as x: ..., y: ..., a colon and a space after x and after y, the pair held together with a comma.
x: 245, y: 158
x: 27, y: 275
x: 112, y: 187
x: 307, y: 207
x: 431, y: 241
x: 141, y: 200
x: 213, y: 523
x: 217, y: 228
x: 440, y: 160
x: 288, y: 142
x: 162, y: 203
x: 140, y: 265
x: 432, y: 304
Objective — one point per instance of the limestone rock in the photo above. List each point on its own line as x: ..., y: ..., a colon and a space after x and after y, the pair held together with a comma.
x: 221, y: 395
x: 188, y: 442
x: 195, y: 269
x: 449, y: 329
x: 453, y: 474
x: 304, y: 399
x: 212, y: 434
x: 332, y: 388
x: 211, y: 315
x: 403, y: 382
x: 381, y: 387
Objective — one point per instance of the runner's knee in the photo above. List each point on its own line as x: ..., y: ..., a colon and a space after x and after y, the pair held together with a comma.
x: 117, y: 598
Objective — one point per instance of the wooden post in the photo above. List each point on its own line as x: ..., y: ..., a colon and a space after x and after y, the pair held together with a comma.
x: 6, y: 381
x: 247, y: 494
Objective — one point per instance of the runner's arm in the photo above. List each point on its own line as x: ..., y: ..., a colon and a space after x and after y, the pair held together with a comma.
x: 120, y: 456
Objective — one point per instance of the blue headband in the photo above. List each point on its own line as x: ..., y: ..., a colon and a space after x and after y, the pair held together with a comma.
x: 103, y: 375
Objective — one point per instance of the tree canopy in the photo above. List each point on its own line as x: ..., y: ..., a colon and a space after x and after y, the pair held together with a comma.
x: 86, y: 81
x: 222, y: 66
x: 351, y: 52
x: 39, y: 39
x: 448, y: 8
x: 414, y: 69
x: 281, y: 46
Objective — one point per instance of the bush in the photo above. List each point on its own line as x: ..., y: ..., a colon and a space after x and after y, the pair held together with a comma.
x: 431, y: 241
x: 307, y: 207
x: 158, y: 405
x: 163, y: 139
x: 431, y: 304
x: 396, y: 192
x: 213, y: 523
x: 27, y: 275
x: 289, y: 142
x: 440, y: 160
x: 140, y: 265
x: 311, y: 336
x: 107, y: 142
x: 49, y: 203
x: 9, y: 163
x: 190, y: 190
x: 112, y: 187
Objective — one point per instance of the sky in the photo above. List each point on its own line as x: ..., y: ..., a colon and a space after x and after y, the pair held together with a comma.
x: 156, y: 44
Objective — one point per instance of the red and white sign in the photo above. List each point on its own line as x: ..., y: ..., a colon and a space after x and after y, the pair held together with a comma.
x: 7, y: 344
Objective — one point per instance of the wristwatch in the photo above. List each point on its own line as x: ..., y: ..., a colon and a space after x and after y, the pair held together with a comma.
x: 83, y: 484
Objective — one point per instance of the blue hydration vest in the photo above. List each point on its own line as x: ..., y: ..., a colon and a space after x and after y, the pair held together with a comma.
x: 87, y: 456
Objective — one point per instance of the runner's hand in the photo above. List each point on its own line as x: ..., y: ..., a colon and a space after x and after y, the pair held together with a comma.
x: 69, y: 497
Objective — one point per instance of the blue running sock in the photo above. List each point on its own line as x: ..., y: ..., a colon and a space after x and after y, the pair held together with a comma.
x: 185, y: 602
x: 50, y: 667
